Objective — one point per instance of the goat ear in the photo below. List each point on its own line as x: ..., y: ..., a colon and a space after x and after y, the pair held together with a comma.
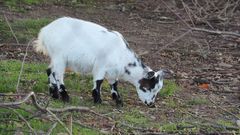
x: 150, y: 75
x: 163, y: 72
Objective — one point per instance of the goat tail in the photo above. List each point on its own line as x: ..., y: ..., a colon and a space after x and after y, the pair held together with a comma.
x: 39, y: 47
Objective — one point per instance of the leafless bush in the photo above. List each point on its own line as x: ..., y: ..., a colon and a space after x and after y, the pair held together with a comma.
x: 211, y: 11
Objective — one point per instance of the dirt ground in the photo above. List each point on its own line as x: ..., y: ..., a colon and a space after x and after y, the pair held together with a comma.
x: 205, y: 65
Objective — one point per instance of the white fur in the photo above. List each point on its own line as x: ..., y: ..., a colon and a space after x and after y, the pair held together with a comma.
x: 87, y: 47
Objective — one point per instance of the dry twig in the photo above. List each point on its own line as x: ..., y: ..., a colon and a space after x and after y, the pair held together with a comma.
x: 21, y: 117
x: 52, y: 110
x: 22, y: 65
x: 59, y: 121
x: 216, y: 32
x: 223, y: 109
x: 14, y: 35
x: 50, y: 130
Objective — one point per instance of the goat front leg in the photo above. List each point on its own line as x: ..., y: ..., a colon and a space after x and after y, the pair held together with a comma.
x: 53, y: 88
x: 115, y: 95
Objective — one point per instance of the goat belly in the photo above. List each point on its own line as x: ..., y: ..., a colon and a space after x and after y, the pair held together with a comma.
x: 81, y: 63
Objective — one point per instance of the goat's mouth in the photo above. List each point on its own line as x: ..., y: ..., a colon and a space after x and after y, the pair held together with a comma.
x: 150, y: 105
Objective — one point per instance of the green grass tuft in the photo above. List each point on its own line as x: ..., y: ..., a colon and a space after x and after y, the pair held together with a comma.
x: 135, y: 117
x: 197, y: 101
x: 23, y: 29
x: 169, y: 88
x: 33, y: 77
x: 18, y: 5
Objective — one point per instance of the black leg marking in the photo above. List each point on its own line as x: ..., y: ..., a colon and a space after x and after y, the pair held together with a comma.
x: 53, y: 90
x: 96, y: 92
x: 64, y: 94
x: 115, y: 95
x: 49, y: 71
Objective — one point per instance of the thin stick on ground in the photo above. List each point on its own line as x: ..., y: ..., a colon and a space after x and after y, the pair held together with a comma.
x: 174, y: 40
x: 235, y: 116
x: 14, y: 35
x: 22, y: 118
x: 55, y: 110
x: 59, y: 121
x: 51, y: 129
x: 176, y: 14
x: 22, y: 65
x: 216, y: 32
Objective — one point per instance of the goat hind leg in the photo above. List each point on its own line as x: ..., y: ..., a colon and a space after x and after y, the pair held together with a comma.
x: 56, y: 77
x: 115, y: 94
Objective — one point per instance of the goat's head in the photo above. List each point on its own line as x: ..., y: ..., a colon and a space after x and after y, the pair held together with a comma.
x: 149, y: 86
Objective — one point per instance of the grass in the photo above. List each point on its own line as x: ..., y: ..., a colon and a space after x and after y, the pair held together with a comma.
x: 198, y: 101
x: 25, y: 5
x: 169, y: 88
x: 134, y: 117
x: 33, y: 77
x: 178, y: 127
x: 10, y: 121
x: 23, y: 29
x: 20, y: 5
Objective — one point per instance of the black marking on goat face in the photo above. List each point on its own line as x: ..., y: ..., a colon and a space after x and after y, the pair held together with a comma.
x: 132, y: 64
x: 127, y: 71
x: 153, y: 97
x: 148, y: 84
x: 141, y: 63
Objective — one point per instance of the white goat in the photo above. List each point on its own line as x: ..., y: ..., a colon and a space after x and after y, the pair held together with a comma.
x: 87, y: 47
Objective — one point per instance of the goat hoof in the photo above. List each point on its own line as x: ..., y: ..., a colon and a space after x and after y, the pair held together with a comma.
x: 119, y: 102
x: 54, y: 92
x: 64, y: 96
x: 98, y: 101
x: 96, y: 97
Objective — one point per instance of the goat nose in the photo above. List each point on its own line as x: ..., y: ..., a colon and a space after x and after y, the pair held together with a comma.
x: 151, y: 105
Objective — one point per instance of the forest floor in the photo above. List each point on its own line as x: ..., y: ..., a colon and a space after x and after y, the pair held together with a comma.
x: 201, y: 96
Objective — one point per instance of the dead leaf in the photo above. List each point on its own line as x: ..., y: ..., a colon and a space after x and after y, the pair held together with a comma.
x: 204, y: 86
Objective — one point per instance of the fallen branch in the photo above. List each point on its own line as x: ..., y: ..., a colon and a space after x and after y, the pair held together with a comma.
x: 216, y: 32
x: 50, y: 110
x: 54, y: 110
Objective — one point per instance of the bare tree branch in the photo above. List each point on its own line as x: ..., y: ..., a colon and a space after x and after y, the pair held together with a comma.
x: 216, y: 32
